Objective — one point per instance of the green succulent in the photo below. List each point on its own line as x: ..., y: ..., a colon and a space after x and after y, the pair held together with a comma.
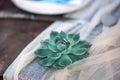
x: 61, y: 50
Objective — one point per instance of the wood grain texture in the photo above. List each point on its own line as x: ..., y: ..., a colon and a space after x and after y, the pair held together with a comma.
x: 14, y: 36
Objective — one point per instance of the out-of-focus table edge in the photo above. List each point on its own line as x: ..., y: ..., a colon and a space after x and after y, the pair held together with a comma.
x: 4, y: 6
x: 48, y: 23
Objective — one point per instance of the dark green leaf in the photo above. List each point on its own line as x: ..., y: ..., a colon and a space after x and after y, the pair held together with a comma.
x: 43, y: 52
x: 64, y: 60
x: 82, y: 44
x: 52, y: 47
x: 44, y: 43
x: 79, y: 51
x: 57, y: 39
x: 61, y: 47
x: 76, y: 38
x: 57, y: 66
x: 53, y: 34
x: 73, y: 38
x: 63, y: 35
x: 70, y: 37
x: 50, y: 44
x: 75, y: 58
x: 55, y: 55
x: 46, y: 62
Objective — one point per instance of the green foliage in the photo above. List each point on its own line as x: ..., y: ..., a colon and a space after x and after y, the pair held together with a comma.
x: 61, y: 50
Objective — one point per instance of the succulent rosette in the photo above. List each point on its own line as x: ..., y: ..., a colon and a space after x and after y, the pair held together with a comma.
x: 61, y: 50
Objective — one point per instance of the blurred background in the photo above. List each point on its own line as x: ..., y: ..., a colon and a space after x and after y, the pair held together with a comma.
x: 15, y: 34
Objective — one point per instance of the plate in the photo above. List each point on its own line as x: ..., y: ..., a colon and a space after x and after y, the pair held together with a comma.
x: 48, y: 7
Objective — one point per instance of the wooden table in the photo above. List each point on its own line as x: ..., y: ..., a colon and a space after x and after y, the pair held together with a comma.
x: 15, y: 35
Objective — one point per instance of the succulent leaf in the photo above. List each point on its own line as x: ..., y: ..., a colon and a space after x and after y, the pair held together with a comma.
x: 44, y: 44
x: 63, y: 34
x: 47, y: 61
x: 82, y: 44
x: 53, y: 34
x: 79, y: 51
x: 61, y: 50
x: 57, y: 66
x: 43, y: 53
x: 70, y: 37
x: 76, y: 38
x: 57, y: 39
x: 55, y: 56
x: 64, y: 60
x: 74, y: 57
x: 52, y: 48
x: 61, y: 47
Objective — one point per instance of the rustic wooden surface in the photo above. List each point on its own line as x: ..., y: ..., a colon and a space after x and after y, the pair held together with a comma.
x: 15, y: 35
